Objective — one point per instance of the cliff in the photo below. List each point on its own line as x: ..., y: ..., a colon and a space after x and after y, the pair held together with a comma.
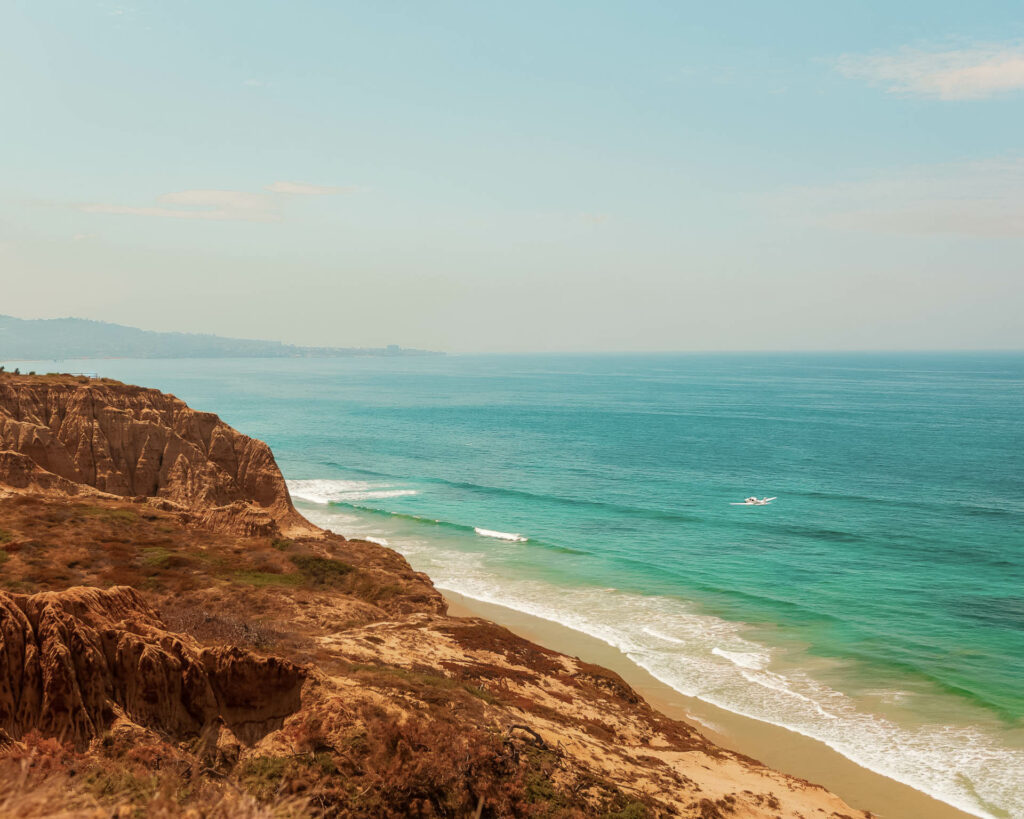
x: 57, y: 432
x: 75, y: 662
x: 160, y: 655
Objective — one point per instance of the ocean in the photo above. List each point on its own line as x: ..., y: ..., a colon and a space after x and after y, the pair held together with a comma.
x: 876, y: 605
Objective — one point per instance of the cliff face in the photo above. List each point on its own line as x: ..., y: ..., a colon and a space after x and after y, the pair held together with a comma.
x: 74, y: 662
x: 61, y: 432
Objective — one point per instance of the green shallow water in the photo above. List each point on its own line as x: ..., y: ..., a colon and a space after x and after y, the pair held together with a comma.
x: 878, y: 604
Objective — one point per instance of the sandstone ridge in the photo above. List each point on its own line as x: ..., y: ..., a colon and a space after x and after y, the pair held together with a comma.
x: 64, y: 433
x: 72, y: 663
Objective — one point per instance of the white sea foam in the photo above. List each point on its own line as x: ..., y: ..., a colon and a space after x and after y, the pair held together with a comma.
x: 501, y: 535
x: 664, y: 637
x: 891, y: 697
x: 336, y: 491
x: 353, y: 526
x: 709, y: 658
x: 374, y: 494
x: 744, y: 659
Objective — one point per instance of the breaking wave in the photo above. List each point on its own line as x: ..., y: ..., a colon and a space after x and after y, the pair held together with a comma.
x: 500, y: 535
x: 337, y: 491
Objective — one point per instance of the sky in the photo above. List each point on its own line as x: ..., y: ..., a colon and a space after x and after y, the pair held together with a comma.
x: 529, y: 176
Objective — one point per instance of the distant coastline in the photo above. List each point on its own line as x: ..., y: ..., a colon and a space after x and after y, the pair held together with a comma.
x: 75, y: 338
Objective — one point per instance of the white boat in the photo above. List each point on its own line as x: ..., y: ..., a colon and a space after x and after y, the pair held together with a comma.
x: 752, y: 501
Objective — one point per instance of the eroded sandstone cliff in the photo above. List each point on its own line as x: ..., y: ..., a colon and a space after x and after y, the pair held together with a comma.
x: 130, y: 441
x: 74, y: 662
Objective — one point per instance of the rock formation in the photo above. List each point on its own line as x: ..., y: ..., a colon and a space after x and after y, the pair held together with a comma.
x: 132, y: 442
x: 73, y: 662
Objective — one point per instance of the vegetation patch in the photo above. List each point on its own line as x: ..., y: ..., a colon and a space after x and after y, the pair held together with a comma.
x: 263, y: 776
x: 156, y: 558
x: 626, y: 808
x: 123, y: 778
x: 425, y: 685
x: 267, y: 579
x: 112, y: 515
x: 499, y: 640
x: 106, y: 783
x: 222, y: 629
x: 322, y: 571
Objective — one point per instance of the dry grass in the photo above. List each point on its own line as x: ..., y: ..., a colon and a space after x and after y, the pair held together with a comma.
x: 44, y: 778
x: 220, y: 629
x: 51, y: 544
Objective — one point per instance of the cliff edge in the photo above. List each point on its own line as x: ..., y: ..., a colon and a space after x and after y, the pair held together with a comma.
x: 61, y: 432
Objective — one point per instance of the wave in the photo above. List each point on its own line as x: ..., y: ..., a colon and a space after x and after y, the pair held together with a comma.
x: 352, y: 494
x: 328, y: 491
x: 961, y: 505
x: 755, y: 661
x: 696, y: 516
x: 306, y: 494
x: 486, y: 489
x: 500, y: 535
x: 664, y: 637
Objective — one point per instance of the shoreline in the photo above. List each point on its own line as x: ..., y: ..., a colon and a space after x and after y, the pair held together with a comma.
x: 776, y: 747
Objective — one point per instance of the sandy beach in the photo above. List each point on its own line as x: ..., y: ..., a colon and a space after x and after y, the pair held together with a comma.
x: 777, y: 747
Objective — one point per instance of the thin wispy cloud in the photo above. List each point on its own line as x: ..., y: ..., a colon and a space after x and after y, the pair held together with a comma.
x: 960, y: 74
x: 218, y: 205
x: 209, y: 205
x: 975, y: 199
x: 305, y: 189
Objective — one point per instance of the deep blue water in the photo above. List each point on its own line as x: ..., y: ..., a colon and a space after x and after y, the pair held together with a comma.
x: 878, y: 604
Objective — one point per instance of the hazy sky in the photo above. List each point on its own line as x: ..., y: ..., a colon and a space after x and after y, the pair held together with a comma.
x: 482, y: 176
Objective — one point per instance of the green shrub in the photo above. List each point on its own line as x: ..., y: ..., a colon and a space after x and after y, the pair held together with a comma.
x: 262, y: 776
x: 630, y: 809
x: 321, y: 571
x: 156, y: 557
x: 113, y: 515
x: 267, y: 579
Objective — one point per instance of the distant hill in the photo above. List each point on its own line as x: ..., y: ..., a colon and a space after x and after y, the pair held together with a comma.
x: 40, y: 339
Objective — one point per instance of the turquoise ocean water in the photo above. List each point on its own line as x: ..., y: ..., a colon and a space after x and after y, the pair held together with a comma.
x: 877, y: 605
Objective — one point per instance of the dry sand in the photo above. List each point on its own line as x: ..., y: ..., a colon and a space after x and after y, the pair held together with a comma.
x: 776, y: 747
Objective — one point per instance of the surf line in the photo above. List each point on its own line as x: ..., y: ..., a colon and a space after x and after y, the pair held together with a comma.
x: 509, y: 536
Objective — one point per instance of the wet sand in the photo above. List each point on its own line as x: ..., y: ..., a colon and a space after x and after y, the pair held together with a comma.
x: 776, y: 747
